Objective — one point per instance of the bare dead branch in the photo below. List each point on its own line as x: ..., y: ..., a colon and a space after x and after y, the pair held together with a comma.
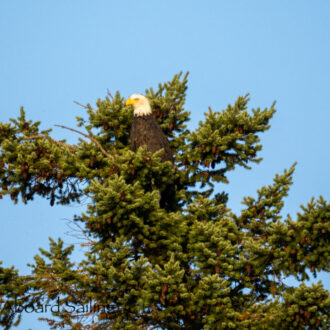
x: 109, y: 94
x: 91, y: 137
x: 84, y: 106
x: 79, y: 233
x: 73, y: 130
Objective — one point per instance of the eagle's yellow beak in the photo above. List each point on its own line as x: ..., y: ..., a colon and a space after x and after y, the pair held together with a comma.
x: 130, y: 101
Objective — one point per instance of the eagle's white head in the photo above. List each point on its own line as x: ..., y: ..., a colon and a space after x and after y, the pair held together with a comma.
x: 140, y: 104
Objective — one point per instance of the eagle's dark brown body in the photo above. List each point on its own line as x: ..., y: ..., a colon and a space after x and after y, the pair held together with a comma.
x: 146, y: 132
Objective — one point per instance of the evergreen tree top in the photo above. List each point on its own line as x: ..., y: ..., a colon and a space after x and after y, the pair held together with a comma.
x: 162, y: 249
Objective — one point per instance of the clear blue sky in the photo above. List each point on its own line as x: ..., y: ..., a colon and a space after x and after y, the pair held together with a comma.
x: 54, y: 52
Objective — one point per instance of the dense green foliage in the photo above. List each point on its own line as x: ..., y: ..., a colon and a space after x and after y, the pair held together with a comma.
x: 193, y: 264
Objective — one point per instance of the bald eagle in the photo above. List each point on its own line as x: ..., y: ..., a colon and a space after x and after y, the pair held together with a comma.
x: 145, y: 130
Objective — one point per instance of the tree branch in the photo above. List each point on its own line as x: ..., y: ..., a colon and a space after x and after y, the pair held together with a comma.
x: 84, y: 106
x: 109, y: 94
x: 91, y: 137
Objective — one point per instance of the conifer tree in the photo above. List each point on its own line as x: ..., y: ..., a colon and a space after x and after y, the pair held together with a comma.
x: 191, y: 264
